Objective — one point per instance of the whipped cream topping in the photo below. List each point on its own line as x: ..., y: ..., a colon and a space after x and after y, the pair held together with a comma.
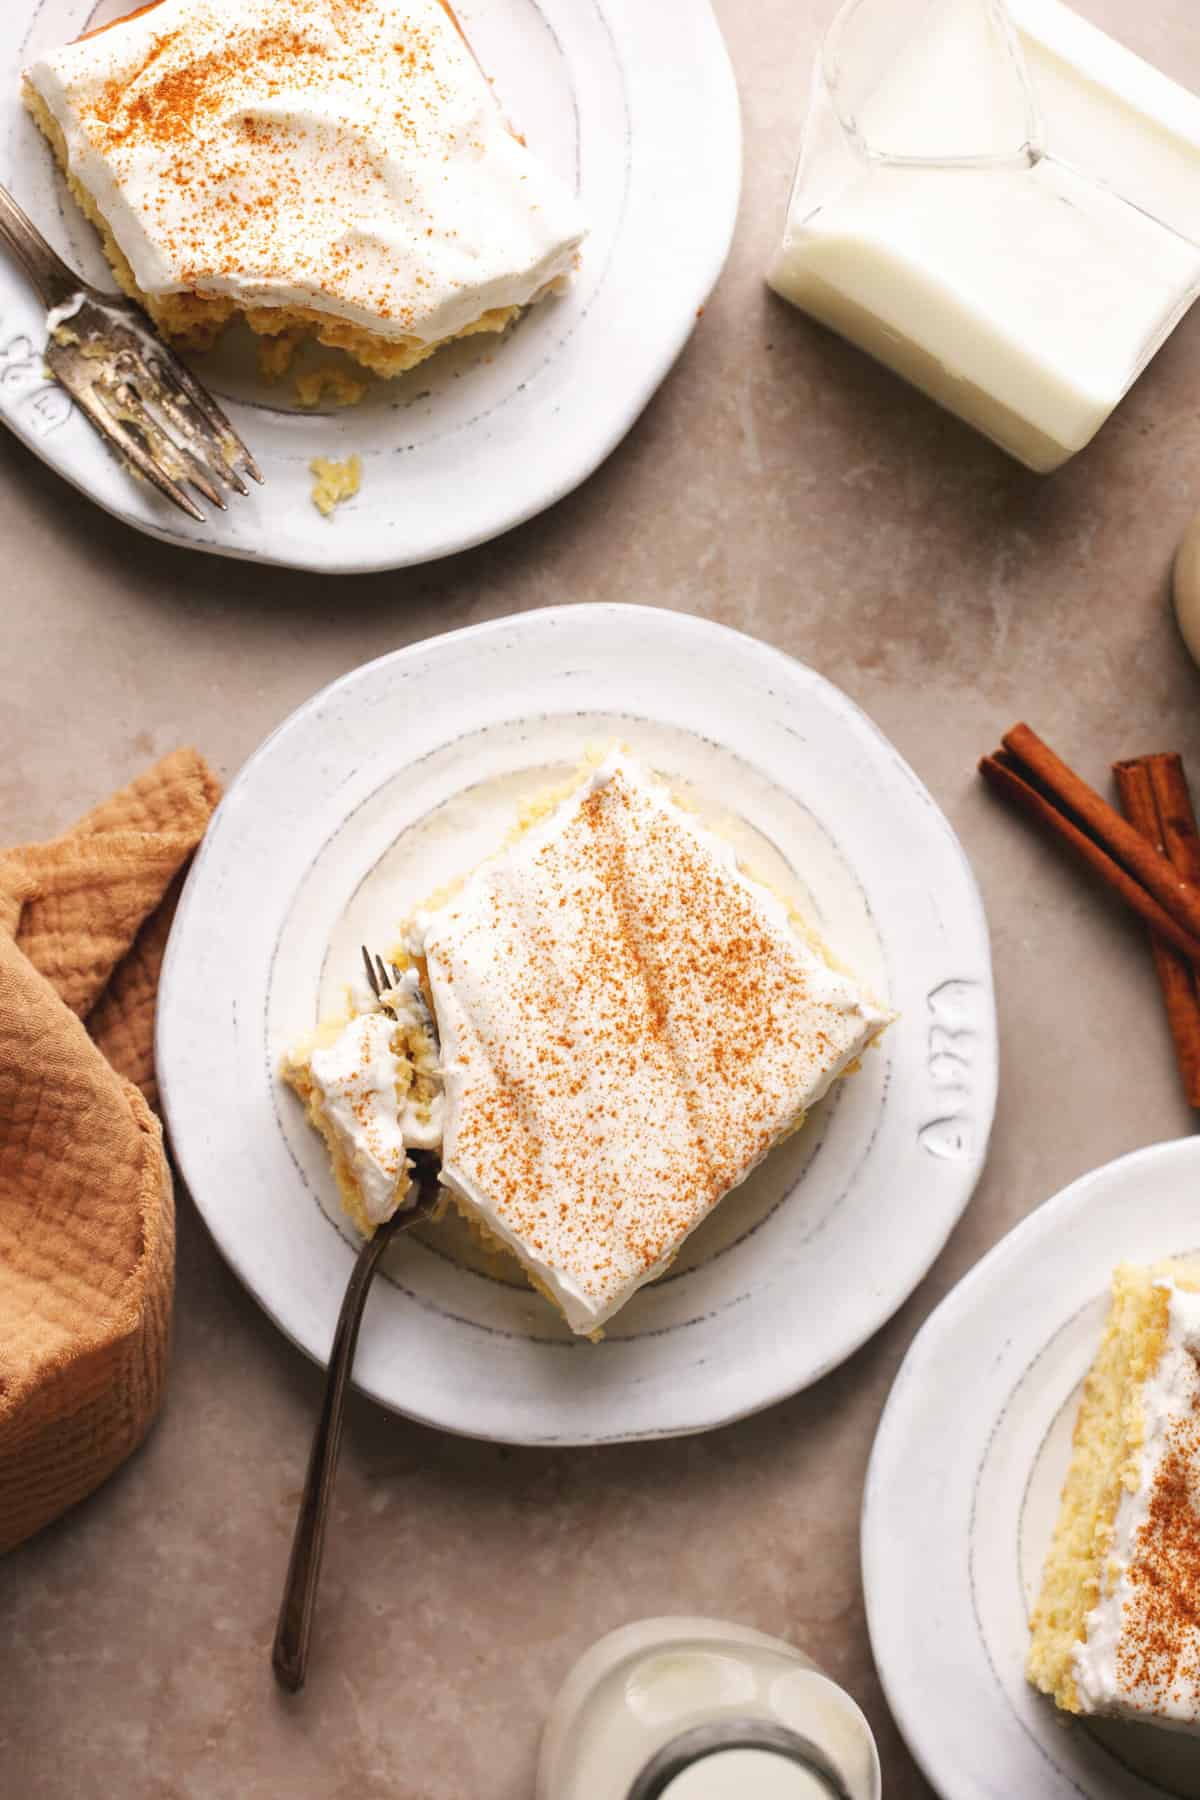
x: 360, y: 1080
x: 1140, y: 1657
x: 344, y: 155
x: 628, y: 1024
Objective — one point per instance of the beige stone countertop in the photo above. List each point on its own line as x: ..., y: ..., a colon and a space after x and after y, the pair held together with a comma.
x: 780, y: 483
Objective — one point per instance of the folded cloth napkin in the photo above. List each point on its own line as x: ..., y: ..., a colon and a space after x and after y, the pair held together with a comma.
x: 87, y: 1222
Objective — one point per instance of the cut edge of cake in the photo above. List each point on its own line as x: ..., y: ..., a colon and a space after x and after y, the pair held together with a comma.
x: 1109, y: 1433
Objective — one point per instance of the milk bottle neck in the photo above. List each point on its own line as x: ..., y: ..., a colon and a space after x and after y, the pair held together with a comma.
x: 930, y: 82
x: 700, y: 1764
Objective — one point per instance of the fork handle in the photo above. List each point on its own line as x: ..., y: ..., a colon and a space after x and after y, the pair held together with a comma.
x: 289, y: 1656
x: 55, y: 282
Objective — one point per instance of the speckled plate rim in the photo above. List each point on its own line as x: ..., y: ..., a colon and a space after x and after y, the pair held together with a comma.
x: 977, y: 1730
x: 593, y: 373
x: 930, y: 1140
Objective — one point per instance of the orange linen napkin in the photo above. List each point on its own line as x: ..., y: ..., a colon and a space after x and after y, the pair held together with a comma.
x: 87, y: 1222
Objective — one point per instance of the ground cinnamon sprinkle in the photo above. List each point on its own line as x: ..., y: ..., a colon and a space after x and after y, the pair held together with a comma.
x: 167, y: 108
x: 1159, y: 1649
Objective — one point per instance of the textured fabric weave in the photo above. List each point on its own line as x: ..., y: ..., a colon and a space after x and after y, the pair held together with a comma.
x: 87, y: 1225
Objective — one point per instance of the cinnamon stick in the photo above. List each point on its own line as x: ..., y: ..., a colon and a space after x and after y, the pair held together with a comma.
x: 1003, y: 773
x: 1149, y: 868
x: 1154, y: 793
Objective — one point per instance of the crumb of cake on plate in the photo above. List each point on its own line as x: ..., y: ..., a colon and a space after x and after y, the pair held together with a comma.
x: 317, y: 167
x: 338, y: 385
x: 628, y: 1023
x: 1116, y: 1630
x: 335, y: 482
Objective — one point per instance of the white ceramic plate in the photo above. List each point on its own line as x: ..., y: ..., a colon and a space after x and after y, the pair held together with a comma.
x: 963, y: 1490
x: 632, y: 100
x: 401, y: 776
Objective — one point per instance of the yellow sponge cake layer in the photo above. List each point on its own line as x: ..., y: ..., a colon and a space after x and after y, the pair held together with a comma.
x: 1116, y: 1629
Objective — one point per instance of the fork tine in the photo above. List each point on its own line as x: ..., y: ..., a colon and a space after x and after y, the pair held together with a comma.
x: 370, y: 968
x: 165, y: 450
x: 174, y: 373
x: 159, y: 384
x: 121, y: 436
x: 198, y: 476
x: 423, y: 1007
x: 220, y: 449
x: 381, y: 971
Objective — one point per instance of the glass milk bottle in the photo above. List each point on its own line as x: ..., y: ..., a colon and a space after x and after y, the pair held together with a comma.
x: 694, y: 1709
x: 1001, y: 203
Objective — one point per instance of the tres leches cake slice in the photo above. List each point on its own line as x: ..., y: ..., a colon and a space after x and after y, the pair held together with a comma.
x: 628, y: 1023
x: 1116, y: 1630
x: 334, y: 168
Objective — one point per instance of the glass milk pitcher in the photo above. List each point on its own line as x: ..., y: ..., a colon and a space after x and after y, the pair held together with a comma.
x: 1002, y: 204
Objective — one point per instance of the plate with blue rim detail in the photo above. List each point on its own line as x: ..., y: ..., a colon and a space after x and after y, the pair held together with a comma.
x: 963, y: 1489
x: 635, y: 105
x: 401, y: 776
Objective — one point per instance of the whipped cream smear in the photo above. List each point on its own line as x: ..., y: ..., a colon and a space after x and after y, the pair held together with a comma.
x: 344, y: 155
x: 1140, y: 1658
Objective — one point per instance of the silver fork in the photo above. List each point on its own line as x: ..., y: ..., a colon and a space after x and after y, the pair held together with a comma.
x: 381, y: 976
x: 137, y: 393
x: 289, y: 1654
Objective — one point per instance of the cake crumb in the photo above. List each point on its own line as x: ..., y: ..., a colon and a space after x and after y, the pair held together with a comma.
x: 342, y: 388
x: 336, y: 481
